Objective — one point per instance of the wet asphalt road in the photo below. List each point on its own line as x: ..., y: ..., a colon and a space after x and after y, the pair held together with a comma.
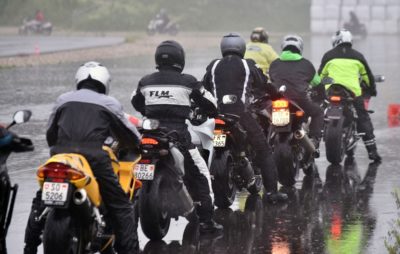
x: 14, y: 45
x: 350, y: 210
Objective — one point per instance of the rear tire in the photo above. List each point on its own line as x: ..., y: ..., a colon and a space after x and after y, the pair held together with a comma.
x: 62, y: 233
x: 222, y: 183
x: 334, y: 141
x: 154, y: 221
x: 285, y: 161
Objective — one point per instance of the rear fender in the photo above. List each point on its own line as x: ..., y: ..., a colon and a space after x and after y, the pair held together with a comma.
x: 334, y: 112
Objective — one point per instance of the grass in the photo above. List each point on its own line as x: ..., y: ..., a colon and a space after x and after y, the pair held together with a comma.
x: 392, y: 241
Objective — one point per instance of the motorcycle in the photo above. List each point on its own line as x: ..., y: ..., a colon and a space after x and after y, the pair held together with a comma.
x: 231, y: 168
x: 8, y: 192
x: 163, y: 195
x: 340, y: 132
x: 156, y: 26
x: 74, y: 213
x: 29, y: 27
x: 292, y: 148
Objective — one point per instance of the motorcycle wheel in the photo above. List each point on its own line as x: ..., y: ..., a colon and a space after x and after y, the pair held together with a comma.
x: 153, y: 220
x: 173, y: 30
x: 62, y: 234
x: 151, y: 32
x: 222, y: 183
x: 334, y: 141
x: 285, y: 161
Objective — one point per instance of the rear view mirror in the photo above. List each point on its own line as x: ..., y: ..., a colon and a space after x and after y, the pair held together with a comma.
x: 327, y: 81
x: 229, y: 99
x: 282, y: 89
x: 22, y: 116
x: 379, y: 78
x: 150, y: 124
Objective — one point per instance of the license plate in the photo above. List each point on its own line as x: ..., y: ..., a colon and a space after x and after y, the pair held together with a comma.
x: 219, y: 140
x: 281, y: 117
x: 55, y: 193
x: 144, y: 171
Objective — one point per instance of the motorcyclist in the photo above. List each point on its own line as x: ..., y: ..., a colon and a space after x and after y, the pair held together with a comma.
x: 39, y: 16
x: 349, y: 68
x: 233, y: 75
x: 5, y: 137
x: 297, y: 74
x: 166, y: 95
x: 162, y: 16
x: 80, y: 122
x: 259, y: 50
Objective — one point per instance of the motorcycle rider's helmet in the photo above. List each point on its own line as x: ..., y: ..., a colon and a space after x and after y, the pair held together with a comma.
x: 342, y: 36
x: 259, y: 35
x: 292, y: 42
x: 233, y: 43
x: 170, y: 53
x: 93, y: 71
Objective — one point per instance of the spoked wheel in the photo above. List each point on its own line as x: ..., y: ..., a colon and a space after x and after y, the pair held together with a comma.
x: 222, y: 183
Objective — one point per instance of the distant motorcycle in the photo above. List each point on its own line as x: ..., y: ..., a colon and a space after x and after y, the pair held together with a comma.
x: 30, y: 27
x: 157, y: 26
x: 8, y: 192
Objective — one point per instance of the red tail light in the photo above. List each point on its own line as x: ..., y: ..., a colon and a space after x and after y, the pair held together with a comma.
x: 59, y: 171
x: 299, y: 113
x: 335, y: 98
x: 280, y: 104
x: 219, y: 121
x: 149, y: 141
x: 145, y: 161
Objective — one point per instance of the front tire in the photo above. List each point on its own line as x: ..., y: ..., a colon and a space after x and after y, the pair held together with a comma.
x: 62, y: 234
x: 334, y: 141
x: 154, y: 221
x: 285, y: 161
x: 222, y: 183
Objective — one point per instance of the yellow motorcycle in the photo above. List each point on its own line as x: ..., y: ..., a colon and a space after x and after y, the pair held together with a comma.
x: 74, y: 212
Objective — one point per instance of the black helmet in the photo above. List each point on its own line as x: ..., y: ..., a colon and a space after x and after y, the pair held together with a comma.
x: 259, y: 35
x: 233, y: 44
x: 170, y: 53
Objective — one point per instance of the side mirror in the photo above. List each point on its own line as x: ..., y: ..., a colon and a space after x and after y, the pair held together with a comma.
x: 150, y: 124
x: 327, y: 81
x: 379, y: 78
x: 22, y: 116
x: 282, y: 89
x: 229, y: 99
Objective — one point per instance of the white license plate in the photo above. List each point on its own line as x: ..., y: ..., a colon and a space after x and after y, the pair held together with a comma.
x: 55, y: 193
x: 144, y: 171
x: 281, y: 117
x: 219, y: 140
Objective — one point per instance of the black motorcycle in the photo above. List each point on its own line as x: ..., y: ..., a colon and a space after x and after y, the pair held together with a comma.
x: 8, y: 192
x: 32, y: 27
x: 292, y: 148
x: 340, y: 132
x: 231, y: 168
x: 163, y: 195
x: 157, y: 26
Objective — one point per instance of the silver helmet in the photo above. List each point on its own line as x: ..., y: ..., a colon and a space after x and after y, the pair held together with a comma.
x: 342, y: 36
x: 293, y: 40
x: 233, y: 43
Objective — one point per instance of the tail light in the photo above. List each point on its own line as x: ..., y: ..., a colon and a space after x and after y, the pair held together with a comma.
x: 60, y: 171
x: 149, y: 141
x: 299, y: 113
x: 219, y: 121
x: 335, y: 98
x: 280, y: 104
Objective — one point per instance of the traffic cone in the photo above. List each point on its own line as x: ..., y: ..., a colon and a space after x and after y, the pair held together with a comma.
x: 394, y: 115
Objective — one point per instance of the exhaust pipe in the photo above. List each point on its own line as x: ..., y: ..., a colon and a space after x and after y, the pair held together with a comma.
x: 304, y: 141
x: 80, y: 197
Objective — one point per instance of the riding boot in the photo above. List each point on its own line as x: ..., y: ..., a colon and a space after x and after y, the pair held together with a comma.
x: 372, y: 151
x: 315, y: 142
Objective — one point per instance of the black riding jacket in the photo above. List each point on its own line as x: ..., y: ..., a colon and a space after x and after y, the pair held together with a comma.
x: 86, y: 118
x: 168, y: 94
x: 233, y: 75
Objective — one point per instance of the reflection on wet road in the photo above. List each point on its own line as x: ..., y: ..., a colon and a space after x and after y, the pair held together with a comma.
x: 348, y: 210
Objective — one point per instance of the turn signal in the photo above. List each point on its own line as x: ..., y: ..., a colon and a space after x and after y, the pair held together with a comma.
x: 299, y: 113
x: 335, y: 98
x: 280, y: 104
x: 219, y: 121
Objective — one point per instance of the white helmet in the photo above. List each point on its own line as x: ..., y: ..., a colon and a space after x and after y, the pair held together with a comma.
x: 293, y: 40
x: 94, y: 71
x: 342, y: 36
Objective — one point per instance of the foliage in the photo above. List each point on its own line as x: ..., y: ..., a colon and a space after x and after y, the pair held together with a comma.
x: 392, y: 242
x: 190, y: 14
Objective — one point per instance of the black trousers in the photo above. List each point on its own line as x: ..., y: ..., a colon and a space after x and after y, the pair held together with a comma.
x: 120, y: 209
x: 197, y: 175
x: 364, y: 123
x: 314, y: 111
x: 263, y: 160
